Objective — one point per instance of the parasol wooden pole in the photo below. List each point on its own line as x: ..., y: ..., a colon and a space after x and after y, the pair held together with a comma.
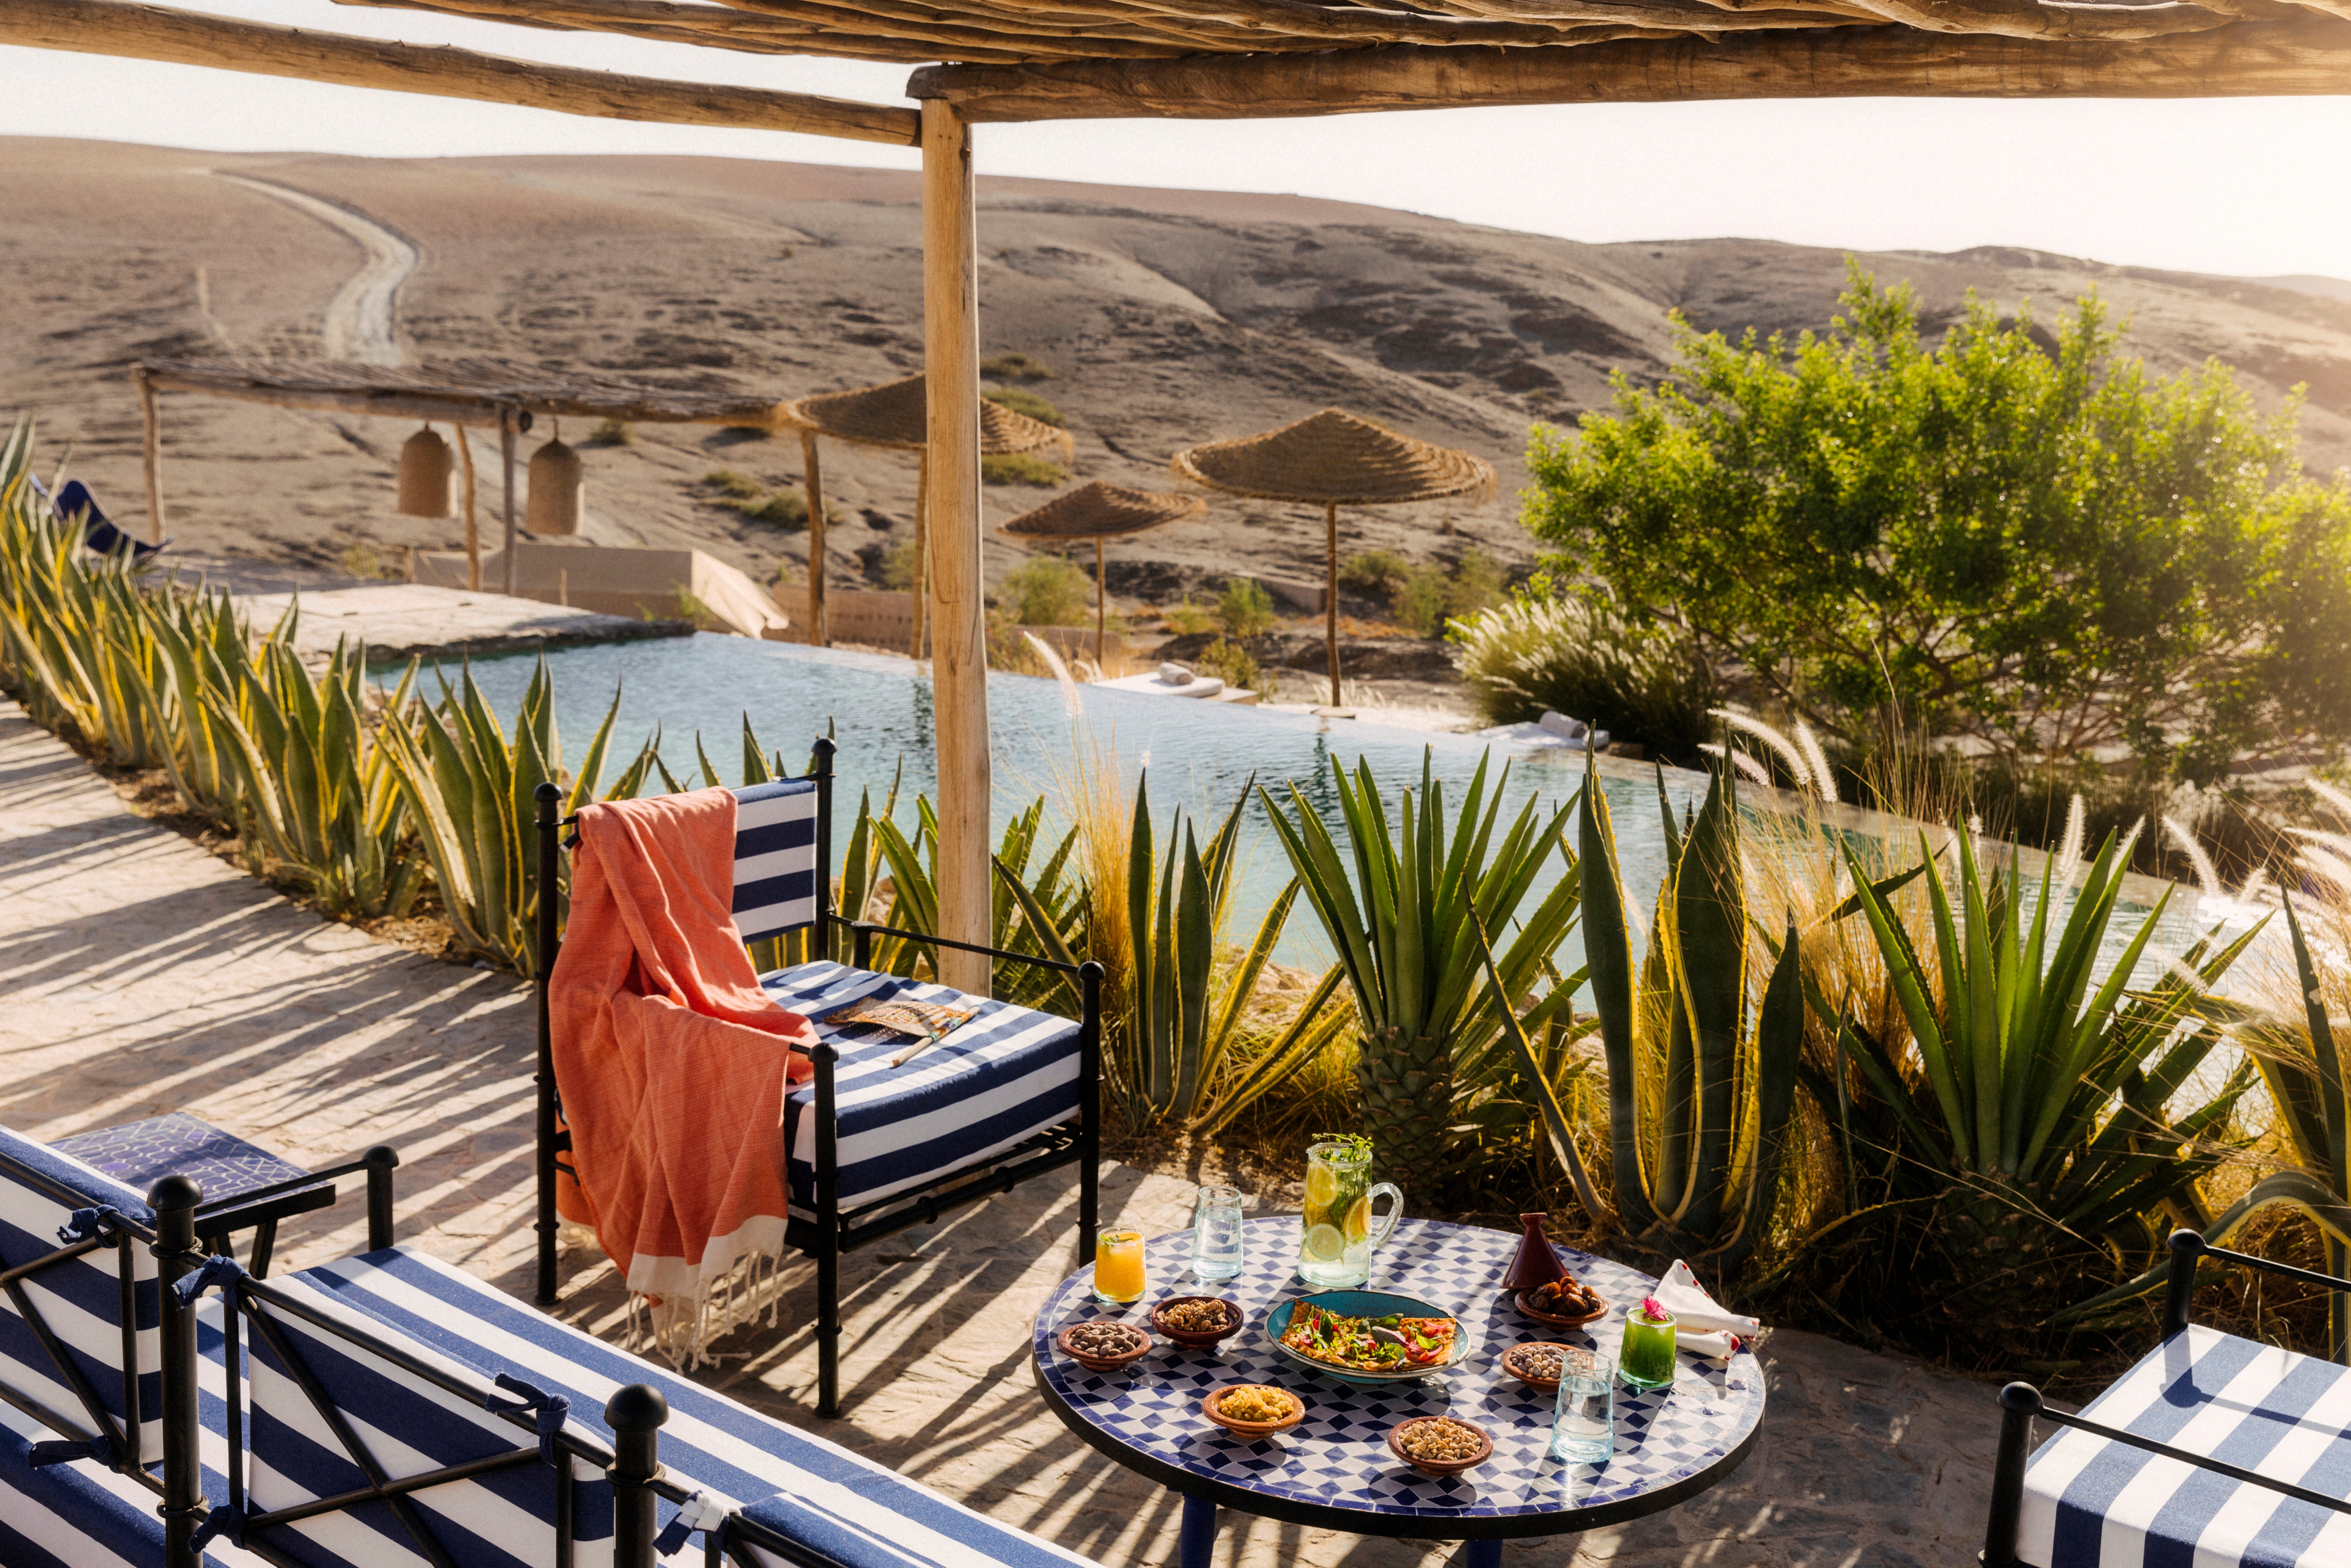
x: 1330, y: 592
x: 1098, y: 606
x: 960, y: 653
x: 812, y: 473
x: 507, y: 450
x: 150, y: 419
x: 473, y: 527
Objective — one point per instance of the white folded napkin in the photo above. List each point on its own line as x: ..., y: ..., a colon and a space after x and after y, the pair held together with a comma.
x: 1704, y: 1326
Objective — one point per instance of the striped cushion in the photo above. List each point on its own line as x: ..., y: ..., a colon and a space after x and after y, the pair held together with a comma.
x: 2091, y: 1504
x: 858, y: 1512
x: 83, y: 1515
x: 81, y: 1301
x: 409, y: 1426
x: 1006, y: 1073
x: 775, y: 858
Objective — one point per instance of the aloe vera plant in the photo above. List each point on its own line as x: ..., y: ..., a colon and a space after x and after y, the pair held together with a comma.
x: 1403, y: 907
x: 1701, y: 1076
x: 2035, y: 1120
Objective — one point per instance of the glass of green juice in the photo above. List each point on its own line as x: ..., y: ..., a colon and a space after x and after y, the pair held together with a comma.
x: 1645, y: 1358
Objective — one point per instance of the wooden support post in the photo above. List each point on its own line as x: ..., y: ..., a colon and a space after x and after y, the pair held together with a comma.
x: 473, y: 527
x: 813, y: 477
x: 506, y: 453
x: 1101, y: 598
x: 958, y: 637
x: 1331, y: 592
x: 150, y: 419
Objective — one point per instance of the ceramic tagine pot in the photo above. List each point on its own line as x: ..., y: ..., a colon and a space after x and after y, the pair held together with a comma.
x: 1536, y: 1262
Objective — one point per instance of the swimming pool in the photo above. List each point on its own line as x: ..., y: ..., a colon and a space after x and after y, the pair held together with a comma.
x: 1195, y: 755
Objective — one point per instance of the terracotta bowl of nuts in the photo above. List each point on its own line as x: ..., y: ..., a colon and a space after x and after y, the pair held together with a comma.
x: 1197, y: 1322
x: 1536, y: 1363
x: 1100, y: 1346
x: 1440, y: 1445
x: 1564, y: 1304
x: 1253, y: 1409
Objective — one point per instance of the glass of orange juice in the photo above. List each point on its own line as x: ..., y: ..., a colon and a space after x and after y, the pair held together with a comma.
x: 1118, y: 1266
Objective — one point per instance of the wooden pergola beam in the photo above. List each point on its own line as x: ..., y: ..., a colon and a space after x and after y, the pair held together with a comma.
x: 138, y: 31
x: 2299, y: 58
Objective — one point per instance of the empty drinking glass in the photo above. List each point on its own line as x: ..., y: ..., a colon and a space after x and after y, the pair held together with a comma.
x: 1217, y: 1250
x: 1583, y: 1427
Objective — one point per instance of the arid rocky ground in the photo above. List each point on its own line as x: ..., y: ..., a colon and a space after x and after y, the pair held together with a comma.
x: 1169, y: 317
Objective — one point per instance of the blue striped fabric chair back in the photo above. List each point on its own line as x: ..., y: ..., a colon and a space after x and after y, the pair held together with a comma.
x: 79, y: 1301
x: 775, y: 858
x: 411, y: 1425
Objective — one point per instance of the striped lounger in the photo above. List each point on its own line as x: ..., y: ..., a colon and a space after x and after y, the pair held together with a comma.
x: 1002, y: 1077
x: 2092, y: 1503
x: 80, y: 1513
x: 805, y: 1495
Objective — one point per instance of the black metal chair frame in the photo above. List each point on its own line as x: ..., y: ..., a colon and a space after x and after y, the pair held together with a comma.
x: 2021, y: 1402
x: 260, y: 1208
x: 833, y: 1232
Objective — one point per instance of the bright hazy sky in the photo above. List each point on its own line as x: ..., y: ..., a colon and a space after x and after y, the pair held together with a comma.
x: 2251, y: 186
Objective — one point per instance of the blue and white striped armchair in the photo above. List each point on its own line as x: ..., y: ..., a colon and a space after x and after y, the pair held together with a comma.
x: 870, y: 1149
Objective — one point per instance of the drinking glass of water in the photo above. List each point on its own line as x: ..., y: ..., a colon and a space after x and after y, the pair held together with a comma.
x: 1218, y: 1251
x: 1584, y: 1428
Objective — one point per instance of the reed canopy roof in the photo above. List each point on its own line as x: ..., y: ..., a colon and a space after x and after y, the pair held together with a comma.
x: 1334, y: 456
x: 462, y: 392
x: 896, y: 415
x: 1096, y: 511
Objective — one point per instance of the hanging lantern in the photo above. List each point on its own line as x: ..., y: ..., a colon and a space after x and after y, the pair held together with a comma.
x: 556, y: 478
x: 428, y: 477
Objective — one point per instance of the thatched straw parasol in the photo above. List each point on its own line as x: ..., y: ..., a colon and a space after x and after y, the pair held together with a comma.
x: 1340, y: 460
x: 1097, y: 511
x: 894, y: 416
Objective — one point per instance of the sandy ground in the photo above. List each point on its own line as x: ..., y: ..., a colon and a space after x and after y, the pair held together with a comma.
x: 145, y: 975
x: 1168, y: 316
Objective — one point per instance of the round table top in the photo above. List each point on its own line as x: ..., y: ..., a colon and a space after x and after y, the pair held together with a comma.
x: 1335, y: 1470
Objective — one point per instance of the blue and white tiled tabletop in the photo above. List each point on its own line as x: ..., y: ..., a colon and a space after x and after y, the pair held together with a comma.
x: 1669, y: 1444
x: 138, y: 1154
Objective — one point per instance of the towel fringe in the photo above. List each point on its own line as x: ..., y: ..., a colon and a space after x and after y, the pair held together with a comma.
x: 683, y: 1331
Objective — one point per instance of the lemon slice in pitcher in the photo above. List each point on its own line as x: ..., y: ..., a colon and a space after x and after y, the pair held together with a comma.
x: 1358, y: 1223
x: 1322, y: 1187
x: 1323, y: 1243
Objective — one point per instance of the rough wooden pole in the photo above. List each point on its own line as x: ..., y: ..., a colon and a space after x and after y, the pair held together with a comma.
x: 1330, y: 592
x: 959, y: 638
x: 473, y: 527
x: 507, y: 454
x: 150, y: 419
x: 812, y: 476
x: 1099, y: 600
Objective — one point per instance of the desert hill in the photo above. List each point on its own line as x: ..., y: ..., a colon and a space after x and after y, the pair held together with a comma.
x: 1169, y: 316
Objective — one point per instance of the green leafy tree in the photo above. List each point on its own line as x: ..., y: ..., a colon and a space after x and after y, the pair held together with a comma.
x: 2015, y: 536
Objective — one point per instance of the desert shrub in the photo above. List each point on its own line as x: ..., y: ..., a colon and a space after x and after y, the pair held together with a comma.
x: 1016, y: 367
x: 613, y: 432
x: 2047, y: 551
x: 1379, y: 571
x: 898, y: 566
x: 1026, y: 402
x: 362, y: 559
x: 1244, y: 609
x: 1235, y: 665
x: 1638, y: 678
x: 1425, y: 597
x: 1049, y: 591
x: 1020, y: 468
x: 1187, y: 618
x: 1479, y: 583
x: 733, y: 485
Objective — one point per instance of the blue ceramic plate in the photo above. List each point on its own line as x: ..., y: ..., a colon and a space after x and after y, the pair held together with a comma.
x: 1365, y: 1305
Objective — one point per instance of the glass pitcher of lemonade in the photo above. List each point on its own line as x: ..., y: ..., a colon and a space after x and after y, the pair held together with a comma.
x: 1337, y: 1235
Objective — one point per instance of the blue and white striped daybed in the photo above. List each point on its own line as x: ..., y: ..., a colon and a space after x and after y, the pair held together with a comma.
x: 870, y: 1149
x: 2211, y: 1452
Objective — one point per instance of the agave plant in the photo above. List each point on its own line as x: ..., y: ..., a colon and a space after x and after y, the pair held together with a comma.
x: 1409, y: 940
x: 2035, y: 1120
x: 1701, y: 1076
x: 1178, y: 1051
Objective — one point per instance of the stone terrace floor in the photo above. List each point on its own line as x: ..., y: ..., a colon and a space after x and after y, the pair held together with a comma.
x: 144, y: 974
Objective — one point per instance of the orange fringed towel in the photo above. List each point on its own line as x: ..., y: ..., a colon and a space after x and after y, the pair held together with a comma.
x: 672, y: 1063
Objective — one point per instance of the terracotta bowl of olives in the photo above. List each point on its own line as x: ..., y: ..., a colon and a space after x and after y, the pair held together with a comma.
x: 1100, y: 1346
x: 1564, y: 1304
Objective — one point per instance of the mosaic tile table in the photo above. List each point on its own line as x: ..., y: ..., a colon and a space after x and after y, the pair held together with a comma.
x: 1333, y: 1470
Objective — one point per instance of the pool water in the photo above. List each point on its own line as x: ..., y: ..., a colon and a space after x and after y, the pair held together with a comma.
x: 1196, y: 756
